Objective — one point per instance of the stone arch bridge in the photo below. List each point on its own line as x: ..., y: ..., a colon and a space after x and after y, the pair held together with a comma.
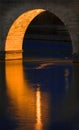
x: 66, y: 12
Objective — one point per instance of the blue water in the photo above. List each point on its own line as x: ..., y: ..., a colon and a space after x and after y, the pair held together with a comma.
x: 50, y: 49
x: 39, y: 95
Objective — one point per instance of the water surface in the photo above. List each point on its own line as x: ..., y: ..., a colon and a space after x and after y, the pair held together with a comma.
x: 41, y: 95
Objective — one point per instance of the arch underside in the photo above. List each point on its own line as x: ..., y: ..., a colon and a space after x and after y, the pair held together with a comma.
x: 16, y: 33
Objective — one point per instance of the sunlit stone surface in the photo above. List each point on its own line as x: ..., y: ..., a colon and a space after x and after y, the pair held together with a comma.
x: 13, y: 55
x: 16, y: 33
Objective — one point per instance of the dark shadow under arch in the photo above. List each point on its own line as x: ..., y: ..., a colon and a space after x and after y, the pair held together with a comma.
x: 45, y: 34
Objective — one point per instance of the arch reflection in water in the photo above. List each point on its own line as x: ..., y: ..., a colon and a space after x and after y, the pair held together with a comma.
x: 24, y: 101
x: 38, y: 110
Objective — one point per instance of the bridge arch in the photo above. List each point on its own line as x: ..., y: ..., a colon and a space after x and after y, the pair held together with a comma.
x: 14, y: 39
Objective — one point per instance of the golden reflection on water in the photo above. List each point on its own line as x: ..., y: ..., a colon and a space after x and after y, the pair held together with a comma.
x: 25, y: 104
x: 21, y: 96
x: 38, y: 110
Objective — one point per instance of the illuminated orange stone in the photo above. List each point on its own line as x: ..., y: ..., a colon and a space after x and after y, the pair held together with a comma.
x: 16, y: 33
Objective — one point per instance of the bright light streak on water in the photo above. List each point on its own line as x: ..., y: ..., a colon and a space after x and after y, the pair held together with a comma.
x: 38, y: 110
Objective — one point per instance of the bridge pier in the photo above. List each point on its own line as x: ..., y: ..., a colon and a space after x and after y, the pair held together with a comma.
x: 11, y: 55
